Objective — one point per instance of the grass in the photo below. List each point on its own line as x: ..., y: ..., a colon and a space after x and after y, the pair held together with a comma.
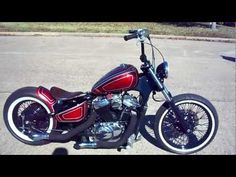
x: 121, y: 27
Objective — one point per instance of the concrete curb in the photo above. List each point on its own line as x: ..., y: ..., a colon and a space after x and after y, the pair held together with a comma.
x: 210, y: 39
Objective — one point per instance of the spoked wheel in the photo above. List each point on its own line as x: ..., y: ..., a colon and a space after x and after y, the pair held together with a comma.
x: 25, y: 114
x: 202, y: 122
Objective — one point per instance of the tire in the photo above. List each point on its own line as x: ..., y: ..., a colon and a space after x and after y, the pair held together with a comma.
x: 166, y: 123
x: 17, y: 97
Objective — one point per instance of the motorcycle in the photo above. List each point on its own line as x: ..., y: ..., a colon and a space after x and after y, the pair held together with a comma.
x: 109, y: 116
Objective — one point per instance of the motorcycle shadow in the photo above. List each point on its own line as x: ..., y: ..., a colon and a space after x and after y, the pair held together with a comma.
x: 147, y: 130
x: 60, y: 151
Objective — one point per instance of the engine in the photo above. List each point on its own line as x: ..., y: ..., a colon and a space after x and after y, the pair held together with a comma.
x: 108, y: 130
x: 109, y: 107
x: 113, y: 115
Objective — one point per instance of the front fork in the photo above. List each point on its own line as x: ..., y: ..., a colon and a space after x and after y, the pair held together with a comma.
x: 170, y: 101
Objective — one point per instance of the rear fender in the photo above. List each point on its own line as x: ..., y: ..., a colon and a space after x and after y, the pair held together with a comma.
x: 46, y: 96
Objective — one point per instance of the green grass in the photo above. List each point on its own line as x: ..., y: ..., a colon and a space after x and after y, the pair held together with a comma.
x: 121, y: 27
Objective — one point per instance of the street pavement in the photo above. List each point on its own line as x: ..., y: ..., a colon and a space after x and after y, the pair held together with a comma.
x: 75, y: 63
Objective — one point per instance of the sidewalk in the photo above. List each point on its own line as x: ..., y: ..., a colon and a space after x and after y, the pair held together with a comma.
x: 210, y: 39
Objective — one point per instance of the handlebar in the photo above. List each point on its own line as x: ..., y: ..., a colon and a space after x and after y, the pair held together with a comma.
x: 141, y: 34
x: 131, y: 36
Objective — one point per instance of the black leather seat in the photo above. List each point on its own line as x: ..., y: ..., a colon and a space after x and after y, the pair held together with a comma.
x: 60, y: 94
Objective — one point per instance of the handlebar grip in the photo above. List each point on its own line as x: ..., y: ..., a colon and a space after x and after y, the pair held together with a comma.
x: 131, y: 36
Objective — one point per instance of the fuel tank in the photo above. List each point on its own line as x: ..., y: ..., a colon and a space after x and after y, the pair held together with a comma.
x: 121, y: 78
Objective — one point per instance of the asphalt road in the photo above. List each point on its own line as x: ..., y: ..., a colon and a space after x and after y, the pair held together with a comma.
x: 76, y: 63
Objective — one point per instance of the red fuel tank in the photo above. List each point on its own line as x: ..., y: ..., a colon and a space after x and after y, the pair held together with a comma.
x: 121, y: 78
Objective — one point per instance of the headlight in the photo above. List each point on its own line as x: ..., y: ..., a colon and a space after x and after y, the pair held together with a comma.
x: 163, y: 70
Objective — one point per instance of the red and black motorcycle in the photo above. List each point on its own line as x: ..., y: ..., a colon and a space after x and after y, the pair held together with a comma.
x: 109, y: 116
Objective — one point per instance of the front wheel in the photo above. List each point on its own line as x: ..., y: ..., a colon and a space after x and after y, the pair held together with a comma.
x: 201, y: 118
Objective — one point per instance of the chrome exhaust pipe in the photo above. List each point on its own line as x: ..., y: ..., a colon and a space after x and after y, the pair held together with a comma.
x: 39, y: 136
x: 55, y: 137
x: 89, y: 145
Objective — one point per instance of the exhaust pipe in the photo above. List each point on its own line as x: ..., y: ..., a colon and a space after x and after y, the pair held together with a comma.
x: 89, y: 145
x: 39, y: 136
x: 67, y: 136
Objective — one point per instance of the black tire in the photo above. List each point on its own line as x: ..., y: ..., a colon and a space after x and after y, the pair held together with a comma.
x: 162, y: 134
x: 26, y: 92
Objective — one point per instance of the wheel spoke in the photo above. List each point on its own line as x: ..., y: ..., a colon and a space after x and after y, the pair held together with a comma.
x: 167, y: 124
x: 191, y: 107
x: 181, y: 107
x: 203, y: 124
x: 202, y: 116
x: 199, y: 110
x: 200, y: 132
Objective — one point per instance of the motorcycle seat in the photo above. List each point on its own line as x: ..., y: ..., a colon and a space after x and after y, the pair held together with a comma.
x: 60, y: 94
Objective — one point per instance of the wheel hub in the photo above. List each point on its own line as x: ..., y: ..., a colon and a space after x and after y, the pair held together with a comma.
x: 35, y: 117
x: 191, y: 120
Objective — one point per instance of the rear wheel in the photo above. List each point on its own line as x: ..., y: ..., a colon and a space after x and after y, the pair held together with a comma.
x: 25, y: 114
x: 201, y: 118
